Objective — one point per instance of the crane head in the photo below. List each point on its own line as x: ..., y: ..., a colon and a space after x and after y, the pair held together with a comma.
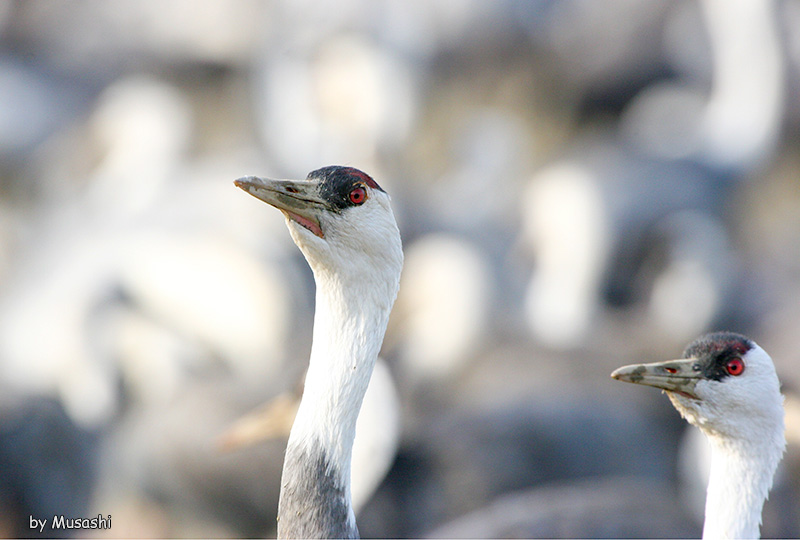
x: 339, y: 217
x: 725, y: 384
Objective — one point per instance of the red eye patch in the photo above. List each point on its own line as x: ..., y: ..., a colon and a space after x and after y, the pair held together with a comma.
x: 364, y: 177
x: 735, y: 366
x: 358, y: 195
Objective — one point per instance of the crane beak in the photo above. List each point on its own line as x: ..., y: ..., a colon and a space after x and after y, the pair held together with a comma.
x: 679, y: 376
x: 298, y: 200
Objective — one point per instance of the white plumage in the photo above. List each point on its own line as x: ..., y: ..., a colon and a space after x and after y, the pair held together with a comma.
x: 343, y: 223
x: 727, y: 386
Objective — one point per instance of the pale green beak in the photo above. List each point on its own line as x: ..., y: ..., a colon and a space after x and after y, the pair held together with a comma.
x: 297, y: 199
x: 679, y: 376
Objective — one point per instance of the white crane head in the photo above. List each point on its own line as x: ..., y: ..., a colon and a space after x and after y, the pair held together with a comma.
x: 725, y: 384
x: 339, y: 217
x: 342, y: 221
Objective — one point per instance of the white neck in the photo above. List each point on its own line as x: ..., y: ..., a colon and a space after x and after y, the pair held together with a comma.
x: 349, y: 324
x: 740, y: 479
x: 347, y: 340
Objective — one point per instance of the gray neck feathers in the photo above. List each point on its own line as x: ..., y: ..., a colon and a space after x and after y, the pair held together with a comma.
x: 313, y: 501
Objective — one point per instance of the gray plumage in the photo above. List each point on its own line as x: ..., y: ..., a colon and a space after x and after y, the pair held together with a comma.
x: 315, y: 489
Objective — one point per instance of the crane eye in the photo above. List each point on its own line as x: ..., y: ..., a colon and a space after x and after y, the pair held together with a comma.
x: 735, y: 366
x: 358, y: 195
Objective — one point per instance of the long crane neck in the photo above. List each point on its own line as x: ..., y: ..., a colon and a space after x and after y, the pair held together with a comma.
x: 349, y: 324
x: 740, y: 479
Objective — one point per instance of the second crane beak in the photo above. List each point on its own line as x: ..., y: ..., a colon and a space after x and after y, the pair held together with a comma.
x: 679, y: 376
x: 298, y: 200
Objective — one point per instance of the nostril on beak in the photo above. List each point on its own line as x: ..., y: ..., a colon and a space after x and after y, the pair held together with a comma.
x: 671, y: 370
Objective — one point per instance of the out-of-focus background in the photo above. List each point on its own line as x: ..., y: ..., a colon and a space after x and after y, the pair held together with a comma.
x: 579, y: 185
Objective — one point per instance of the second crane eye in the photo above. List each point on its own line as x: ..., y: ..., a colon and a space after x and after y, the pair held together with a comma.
x: 735, y: 366
x: 358, y: 195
